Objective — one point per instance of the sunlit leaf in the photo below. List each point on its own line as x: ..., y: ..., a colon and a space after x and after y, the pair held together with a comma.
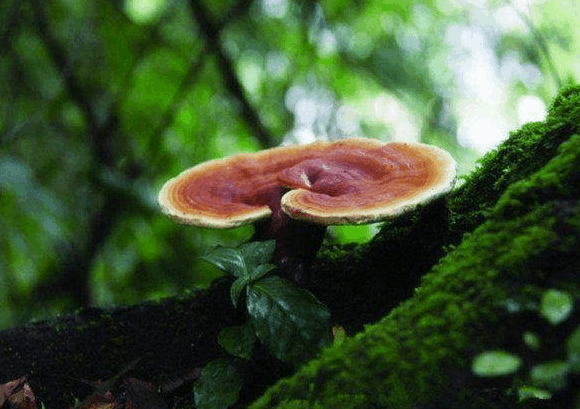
x: 530, y: 392
x: 556, y: 306
x: 288, y: 319
x: 495, y: 363
x: 260, y: 271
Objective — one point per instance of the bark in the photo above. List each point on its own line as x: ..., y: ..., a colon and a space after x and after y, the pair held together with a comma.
x: 64, y: 358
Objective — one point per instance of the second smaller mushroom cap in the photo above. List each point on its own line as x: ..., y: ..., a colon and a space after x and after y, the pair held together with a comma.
x: 365, y: 181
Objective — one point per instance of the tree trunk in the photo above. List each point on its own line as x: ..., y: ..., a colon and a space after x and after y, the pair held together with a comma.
x: 484, y: 295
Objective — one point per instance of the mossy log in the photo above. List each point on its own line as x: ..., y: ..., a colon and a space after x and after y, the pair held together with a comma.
x: 64, y: 359
x: 438, y: 280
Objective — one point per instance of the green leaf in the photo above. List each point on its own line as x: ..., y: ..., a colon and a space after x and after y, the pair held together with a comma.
x: 229, y: 260
x: 556, y: 306
x: 495, y: 363
x: 258, y: 252
x: 239, y: 285
x: 260, y: 271
x: 218, y: 385
x: 248, y: 262
x: 550, y: 375
x: 238, y: 341
x: 236, y: 290
x: 531, y: 392
x: 242, y: 261
x: 288, y: 319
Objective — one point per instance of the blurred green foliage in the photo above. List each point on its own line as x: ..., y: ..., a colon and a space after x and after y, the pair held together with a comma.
x: 102, y: 102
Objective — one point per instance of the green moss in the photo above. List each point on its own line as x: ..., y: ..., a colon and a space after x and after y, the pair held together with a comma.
x: 421, y: 352
x: 336, y: 254
x: 297, y: 404
x: 525, y: 152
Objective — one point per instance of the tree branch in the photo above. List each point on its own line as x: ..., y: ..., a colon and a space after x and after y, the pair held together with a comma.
x: 178, y: 97
x: 239, y: 9
x: 73, y: 277
x: 211, y: 33
x: 63, y: 356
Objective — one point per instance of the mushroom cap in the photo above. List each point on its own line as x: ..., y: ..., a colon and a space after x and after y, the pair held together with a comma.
x: 350, y: 181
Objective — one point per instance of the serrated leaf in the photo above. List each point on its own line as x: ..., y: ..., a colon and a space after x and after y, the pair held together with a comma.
x: 238, y: 341
x: 288, y: 319
x: 218, y: 385
x: 241, y: 261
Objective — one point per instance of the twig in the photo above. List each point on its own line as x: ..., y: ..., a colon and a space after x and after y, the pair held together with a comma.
x: 74, y: 276
x: 542, y: 43
x: 211, y: 32
x: 173, y: 107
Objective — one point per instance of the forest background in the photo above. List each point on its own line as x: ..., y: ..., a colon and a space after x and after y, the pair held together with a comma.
x: 102, y: 102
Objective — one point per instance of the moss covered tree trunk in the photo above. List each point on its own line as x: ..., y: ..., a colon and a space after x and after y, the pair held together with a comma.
x: 434, y: 290
x: 517, y: 222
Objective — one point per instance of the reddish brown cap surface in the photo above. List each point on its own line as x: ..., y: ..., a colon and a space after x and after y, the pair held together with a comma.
x: 351, y: 181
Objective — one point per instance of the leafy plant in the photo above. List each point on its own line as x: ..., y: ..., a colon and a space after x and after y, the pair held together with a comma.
x: 288, y: 319
x: 247, y: 263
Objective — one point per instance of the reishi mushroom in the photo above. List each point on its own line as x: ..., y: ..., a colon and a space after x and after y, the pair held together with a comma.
x: 294, y: 192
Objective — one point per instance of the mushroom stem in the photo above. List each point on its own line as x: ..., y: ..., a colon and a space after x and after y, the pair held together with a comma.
x: 297, y: 242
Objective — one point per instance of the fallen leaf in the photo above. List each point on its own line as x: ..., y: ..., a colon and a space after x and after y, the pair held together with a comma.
x: 18, y: 393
